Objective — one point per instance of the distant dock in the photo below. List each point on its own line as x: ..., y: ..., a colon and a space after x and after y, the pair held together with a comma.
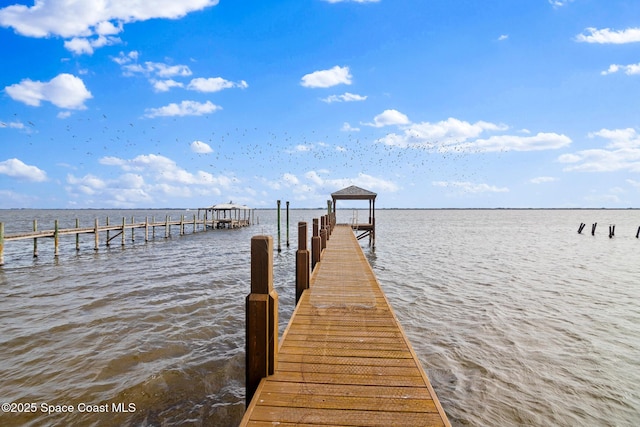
x: 110, y: 231
x: 344, y: 359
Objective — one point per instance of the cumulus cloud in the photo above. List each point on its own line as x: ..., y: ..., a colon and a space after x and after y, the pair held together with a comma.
x: 185, y: 108
x: 95, y: 22
x: 345, y: 97
x: 201, y: 147
x: 461, y: 136
x: 327, y: 78
x: 621, y: 153
x: 214, y: 84
x: 542, y: 179
x: 503, y: 37
x: 16, y: 168
x: 608, y: 36
x: 388, y: 118
x: 470, y: 187
x: 629, y: 70
x: 64, y: 91
x: 559, y: 3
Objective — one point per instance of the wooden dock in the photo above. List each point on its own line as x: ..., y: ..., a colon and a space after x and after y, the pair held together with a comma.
x: 344, y: 359
x: 112, y: 231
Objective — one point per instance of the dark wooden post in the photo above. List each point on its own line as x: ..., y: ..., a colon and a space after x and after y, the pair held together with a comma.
x: 261, y: 316
x: 593, y: 228
x: 279, y: 247
x: 302, y: 261
x: 56, y: 236
x: 316, y: 246
x: 323, y: 233
x: 35, y: 239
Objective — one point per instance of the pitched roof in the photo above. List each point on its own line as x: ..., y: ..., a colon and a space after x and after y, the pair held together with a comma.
x: 354, y: 193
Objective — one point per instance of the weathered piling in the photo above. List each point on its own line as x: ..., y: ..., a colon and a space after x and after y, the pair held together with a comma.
x: 302, y: 261
x: 261, y: 316
x: 279, y: 248
x: 593, y: 228
x: 582, y: 225
x: 323, y: 233
x: 638, y: 233
x: 612, y: 230
x: 35, y: 239
x: 315, y: 244
x: 96, y: 232
x: 56, y: 240
x: 287, y: 224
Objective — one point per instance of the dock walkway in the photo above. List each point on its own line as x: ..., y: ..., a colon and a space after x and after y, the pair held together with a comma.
x: 344, y: 359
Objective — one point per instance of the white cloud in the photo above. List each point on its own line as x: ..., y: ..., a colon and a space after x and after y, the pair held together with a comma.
x: 64, y: 91
x: 503, y: 37
x: 346, y: 127
x: 461, y: 136
x: 608, y: 36
x: 214, y: 84
x: 185, y: 108
x: 79, y: 45
x: 622, y: 153
x: 542, y: 179
x: 201, y: 147
x: 165, y: 85
x: 327, y: 78
x: 157, y: 69
x: 90, y: 18
x: 346, y: 97
x: 559, y: 3
x: 388, y: 118
x: 629, y: 70
x: 16, y: 168
x: 470, y: 187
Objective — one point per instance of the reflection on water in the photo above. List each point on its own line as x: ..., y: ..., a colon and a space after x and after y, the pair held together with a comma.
x: 517, y: 319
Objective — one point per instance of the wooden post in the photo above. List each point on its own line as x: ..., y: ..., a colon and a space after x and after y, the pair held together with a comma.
x: 279, y: 248
x: 593, y: 228
x: 56, y: 238
x: 582, y: 225
x: 153, y: 227
x: 181, y: 224
x: 638, y: 233
x: 133, y: 229
x: 1, y: 243
x: 316, y: 246
x: 287, y: 224
x: 146, y: 229
x: 302, y: 261
x: 612, y: 231
x: 97, y: 234
x: 195, y: 224
x: 323, y: 233
x: 123, y: 228
x: 167, y: 230
x: 108, y: 239
x: 261, y: 316
x: 35, y: 239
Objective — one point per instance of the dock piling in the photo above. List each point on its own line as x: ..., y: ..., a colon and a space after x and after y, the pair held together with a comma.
x: 593, y: 228
x: 261, y: 316
x: 56, y: 240
x: 96, y: 232
x: 315, y: 244
x: 279, y: 248
x: 35, y: 239
x: 287, y: 224
x: 302, y: 261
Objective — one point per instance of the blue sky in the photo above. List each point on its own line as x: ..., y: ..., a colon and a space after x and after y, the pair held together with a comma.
x: 431, y: 104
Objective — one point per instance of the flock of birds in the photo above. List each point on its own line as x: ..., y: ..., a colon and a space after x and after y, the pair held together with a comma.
x: 250, y: 152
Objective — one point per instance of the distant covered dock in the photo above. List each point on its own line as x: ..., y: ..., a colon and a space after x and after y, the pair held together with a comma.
x: 227, y: 215
x: 356, y: 193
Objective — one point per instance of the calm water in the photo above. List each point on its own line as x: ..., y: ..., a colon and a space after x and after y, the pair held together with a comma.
x: 517, y: 319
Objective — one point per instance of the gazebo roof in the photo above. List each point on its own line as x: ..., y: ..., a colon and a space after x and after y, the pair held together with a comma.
x: 353, y: 193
